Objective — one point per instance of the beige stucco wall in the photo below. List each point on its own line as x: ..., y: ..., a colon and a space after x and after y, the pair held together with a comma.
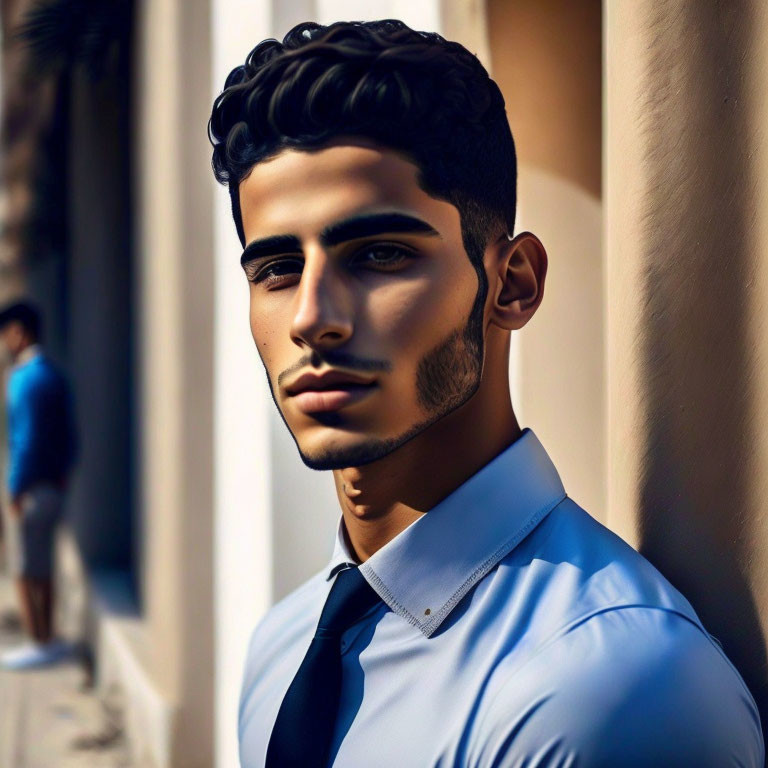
x: 546, y: 57
x: 552, y: 91
x: 686, y: 187
x: 559, y: 367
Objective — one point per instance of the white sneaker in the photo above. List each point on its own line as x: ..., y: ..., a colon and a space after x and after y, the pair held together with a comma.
x: 33, y: 654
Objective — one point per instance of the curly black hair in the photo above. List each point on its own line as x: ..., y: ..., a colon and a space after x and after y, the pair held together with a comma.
x: 414, y: 92
x: 26, y: 313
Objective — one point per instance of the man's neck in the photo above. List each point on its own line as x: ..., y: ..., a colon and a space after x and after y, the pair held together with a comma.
x: 381, y: 499
x: 27, y: 352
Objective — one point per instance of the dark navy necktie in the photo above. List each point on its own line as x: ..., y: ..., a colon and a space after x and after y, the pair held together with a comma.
x: 301, y: 737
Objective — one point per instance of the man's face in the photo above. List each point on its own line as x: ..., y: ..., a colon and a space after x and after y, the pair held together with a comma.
x: 353, y: 268
x: 11, y: 339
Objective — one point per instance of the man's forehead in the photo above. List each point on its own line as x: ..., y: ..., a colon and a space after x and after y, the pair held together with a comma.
x: 300, y: 190
x: 333, y: 167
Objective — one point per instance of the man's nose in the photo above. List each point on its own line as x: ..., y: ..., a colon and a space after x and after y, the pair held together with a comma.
x: 323, y: 304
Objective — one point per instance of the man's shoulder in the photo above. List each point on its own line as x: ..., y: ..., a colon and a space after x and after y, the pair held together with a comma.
x: 40, y: 370
x: 577, y: 553
x: 615, y: 657
x: 630, y: 686
x: 48, y: 368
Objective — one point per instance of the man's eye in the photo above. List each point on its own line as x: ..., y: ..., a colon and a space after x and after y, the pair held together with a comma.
x: 379, y: 256
x: 274, y: 272
x: 383, y: 255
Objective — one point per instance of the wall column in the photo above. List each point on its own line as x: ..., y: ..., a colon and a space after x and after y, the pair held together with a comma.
x: 175, y: 357
x: 686, y: 186
x: 552, y: 91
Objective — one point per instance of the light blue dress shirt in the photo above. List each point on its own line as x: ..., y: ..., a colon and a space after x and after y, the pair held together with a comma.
x: 515, y: 630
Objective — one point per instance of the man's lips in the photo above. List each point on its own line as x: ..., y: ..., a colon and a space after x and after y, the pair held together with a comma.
x: 315, y: 400
x: 329, y: 379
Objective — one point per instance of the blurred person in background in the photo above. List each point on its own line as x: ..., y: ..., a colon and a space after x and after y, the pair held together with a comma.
x: 471, y: 614
x: 42, y: 447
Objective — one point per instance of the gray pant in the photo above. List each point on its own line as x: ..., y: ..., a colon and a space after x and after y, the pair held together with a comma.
x: 31, y: 538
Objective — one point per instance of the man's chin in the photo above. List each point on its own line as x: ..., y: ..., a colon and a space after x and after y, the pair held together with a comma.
x: 333, y: 454
x: 353, y: 455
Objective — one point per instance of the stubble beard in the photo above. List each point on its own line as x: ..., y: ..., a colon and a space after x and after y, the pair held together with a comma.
x: 446, y: 377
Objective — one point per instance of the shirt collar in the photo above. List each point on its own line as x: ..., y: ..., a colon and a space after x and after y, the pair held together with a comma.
x: 28, y: 353
x: 341, y: 556
x: 423, y: 572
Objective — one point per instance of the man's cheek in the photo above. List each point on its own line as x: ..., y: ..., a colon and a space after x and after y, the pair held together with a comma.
x: 263, y: 331
x: 403, y: 336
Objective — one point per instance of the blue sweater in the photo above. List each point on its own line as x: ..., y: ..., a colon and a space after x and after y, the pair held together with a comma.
x: 42, y: 437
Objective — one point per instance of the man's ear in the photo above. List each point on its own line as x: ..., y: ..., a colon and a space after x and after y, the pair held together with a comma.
x: 521, y: 268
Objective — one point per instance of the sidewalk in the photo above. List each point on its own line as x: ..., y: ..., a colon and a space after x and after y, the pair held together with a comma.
x: 52, y: 718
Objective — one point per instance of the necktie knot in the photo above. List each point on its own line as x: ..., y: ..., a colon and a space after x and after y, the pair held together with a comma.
x: 350, y: 597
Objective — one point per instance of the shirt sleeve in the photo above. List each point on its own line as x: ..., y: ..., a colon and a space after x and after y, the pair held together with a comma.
x: 638, y: 687
x: 24, y: 428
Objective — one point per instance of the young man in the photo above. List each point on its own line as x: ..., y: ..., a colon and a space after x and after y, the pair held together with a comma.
x: 41, y: 451
x: 472, y: 614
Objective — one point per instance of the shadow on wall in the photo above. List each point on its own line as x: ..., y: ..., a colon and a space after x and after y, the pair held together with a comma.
x: 698, y: 463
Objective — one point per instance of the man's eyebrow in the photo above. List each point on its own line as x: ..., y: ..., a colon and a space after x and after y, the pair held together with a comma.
x: 369, y: 224
x: 365, y: 225
x: 270, y: 246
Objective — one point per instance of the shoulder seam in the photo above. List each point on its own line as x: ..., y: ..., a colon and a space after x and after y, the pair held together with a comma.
x: 673, y: 611
x: 575, y: 623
